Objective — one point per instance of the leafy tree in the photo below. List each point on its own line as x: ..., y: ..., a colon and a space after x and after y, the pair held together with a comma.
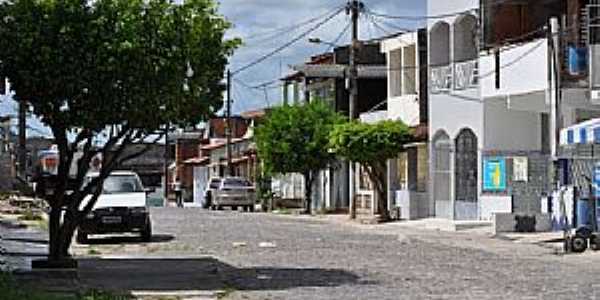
x: 371, y: 145
x: 105, y: 74
x: 294, y: 139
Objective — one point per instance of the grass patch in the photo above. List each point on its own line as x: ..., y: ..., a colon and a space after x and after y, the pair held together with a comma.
x: 226, y: 292
x: 41, y: 225
x: 10, y: 290
x: 30, y: 215
x: 282, y: 211
x: 93, y: 251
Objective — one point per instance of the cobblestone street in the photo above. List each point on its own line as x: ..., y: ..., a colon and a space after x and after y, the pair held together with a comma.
x: 262, y: 256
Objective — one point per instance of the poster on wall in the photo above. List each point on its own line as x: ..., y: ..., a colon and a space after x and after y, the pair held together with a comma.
x: 520, y: 169
x: 494, y: 174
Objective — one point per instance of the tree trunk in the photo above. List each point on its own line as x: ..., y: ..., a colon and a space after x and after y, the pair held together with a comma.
x: 381, y: 186
x: 351, y: 193
x: 308, y: 181
x: 66, y: 233
x: 54, y: 234
x: 377, y: 174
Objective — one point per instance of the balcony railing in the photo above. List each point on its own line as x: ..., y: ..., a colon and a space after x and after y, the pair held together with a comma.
x: 457, y: 76
x: 466, y: 74
x: 441, y: 78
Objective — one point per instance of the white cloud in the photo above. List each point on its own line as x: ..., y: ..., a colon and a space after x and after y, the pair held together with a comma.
x: 252, y: 17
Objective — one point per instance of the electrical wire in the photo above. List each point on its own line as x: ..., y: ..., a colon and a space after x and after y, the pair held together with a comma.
x: 283, y: 29
x: 288, y: 44
x: 338, y: 38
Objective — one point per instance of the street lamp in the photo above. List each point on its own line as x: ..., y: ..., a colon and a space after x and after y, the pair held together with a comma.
x: 319, y: 41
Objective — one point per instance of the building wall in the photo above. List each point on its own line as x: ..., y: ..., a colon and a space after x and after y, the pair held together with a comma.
x: 509, y: 130
x: 528, y: 61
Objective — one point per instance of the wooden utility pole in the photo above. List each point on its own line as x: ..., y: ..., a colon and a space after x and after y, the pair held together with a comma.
x: 353, y: 8
x: 166, y: 165
x: 22, y: 150
x: 228, y: 125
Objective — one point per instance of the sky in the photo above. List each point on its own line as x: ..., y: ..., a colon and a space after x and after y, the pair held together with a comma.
x: 265, y: 25
x: 257, y: 21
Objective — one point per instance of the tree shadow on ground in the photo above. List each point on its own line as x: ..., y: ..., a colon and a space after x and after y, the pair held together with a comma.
x: 110, y: 240
x: 201, y: 274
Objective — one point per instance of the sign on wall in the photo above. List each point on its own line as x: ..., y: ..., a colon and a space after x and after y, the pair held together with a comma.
x: 494, y: 174
x: 520, y: 169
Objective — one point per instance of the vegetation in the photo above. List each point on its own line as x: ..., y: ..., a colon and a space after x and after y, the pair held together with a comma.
x: 30, y: 215
x: 371, y: 145
x: 294, y: 139
x: 105, y: 74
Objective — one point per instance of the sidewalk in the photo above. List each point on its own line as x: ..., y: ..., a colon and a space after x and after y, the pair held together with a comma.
x: 143, y: 277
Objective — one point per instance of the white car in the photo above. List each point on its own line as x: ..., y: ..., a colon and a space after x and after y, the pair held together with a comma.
x: 121, y: 208
x: 234, y: 192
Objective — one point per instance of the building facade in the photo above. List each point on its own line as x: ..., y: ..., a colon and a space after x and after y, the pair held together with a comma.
x: 496, y: 102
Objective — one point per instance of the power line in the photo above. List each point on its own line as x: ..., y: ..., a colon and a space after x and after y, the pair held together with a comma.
x: 258, y: 38
x: 288, y: 44
x: 339, y: 37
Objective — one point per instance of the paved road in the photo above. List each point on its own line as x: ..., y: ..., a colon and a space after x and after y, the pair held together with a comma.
x: 308, y: 258
x: 262, y: 256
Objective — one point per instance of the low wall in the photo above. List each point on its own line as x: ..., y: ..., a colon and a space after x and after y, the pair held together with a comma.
x: 507, y: 222
x: 413, y: 205
x: 492, y: 204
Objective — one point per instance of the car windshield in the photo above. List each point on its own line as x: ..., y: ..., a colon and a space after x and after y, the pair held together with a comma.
x: 235, y: 182
x: 115, y: 184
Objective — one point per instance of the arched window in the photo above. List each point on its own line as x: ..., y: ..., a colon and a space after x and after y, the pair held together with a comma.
x: 439, y: 39
x: 465, y: 38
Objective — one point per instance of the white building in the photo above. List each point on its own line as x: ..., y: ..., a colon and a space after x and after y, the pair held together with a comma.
x: 490, y: 103
x: 408, y: 175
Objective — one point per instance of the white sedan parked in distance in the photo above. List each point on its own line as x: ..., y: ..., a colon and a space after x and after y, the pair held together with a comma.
x: 234, y: 192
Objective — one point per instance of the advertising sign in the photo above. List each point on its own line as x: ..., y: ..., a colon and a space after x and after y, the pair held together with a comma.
x: 494, y: 174
x: 520, y: 169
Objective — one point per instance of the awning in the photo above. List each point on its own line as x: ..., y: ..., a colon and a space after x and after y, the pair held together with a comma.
x: 587, y: 132
x: 197, y: 161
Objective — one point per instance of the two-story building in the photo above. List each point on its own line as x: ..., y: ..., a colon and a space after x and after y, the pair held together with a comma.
x: 498, y: 97
x: 324, y: 78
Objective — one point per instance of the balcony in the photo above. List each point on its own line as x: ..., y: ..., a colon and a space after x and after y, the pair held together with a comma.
x: 466, y: 75
x: 441, y: 79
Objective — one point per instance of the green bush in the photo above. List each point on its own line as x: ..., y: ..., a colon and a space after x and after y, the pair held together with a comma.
x: 30, y: 215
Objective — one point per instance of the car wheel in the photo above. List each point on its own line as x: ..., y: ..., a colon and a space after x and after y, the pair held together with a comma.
x: 250, y: 208
x: 219, y: 207
x: 578, y: 244
x: 234, y: 208
x: 82, y: 237
x: 146, y: 234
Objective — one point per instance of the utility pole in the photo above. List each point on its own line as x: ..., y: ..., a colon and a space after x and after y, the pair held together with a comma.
x: 555, y: 94
x: 228, y: 124
x: 353, y: 8
x: 166, y: 166
x: 22, y: 152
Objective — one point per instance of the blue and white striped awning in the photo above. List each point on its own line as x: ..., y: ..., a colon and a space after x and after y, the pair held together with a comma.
x: 587, y: 132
